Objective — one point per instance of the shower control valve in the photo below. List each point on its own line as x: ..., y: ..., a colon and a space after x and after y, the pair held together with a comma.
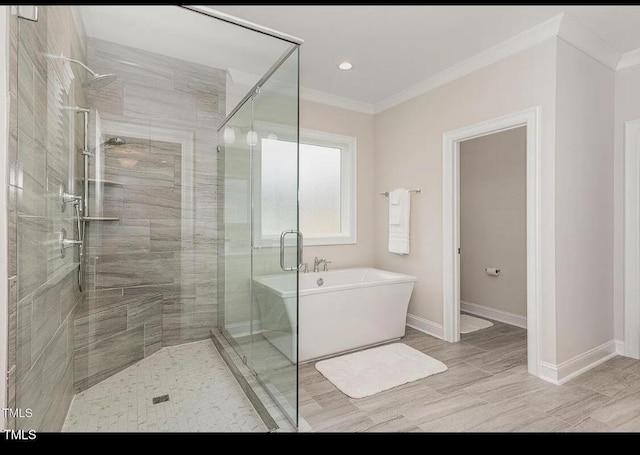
x: 67, y: 198
x: 66, y: 243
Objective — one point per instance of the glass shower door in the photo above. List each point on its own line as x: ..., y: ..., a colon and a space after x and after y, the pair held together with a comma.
x: 276, y: 241
x: 262, y: 249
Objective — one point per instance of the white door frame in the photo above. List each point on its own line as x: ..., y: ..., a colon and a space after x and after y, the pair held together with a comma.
x: 451, y: 223
x: 632, y: 239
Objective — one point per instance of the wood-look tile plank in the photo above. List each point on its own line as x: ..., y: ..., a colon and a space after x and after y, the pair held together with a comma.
x: 606, y: 380
x: 396, y: 424
x: 633, y: 367
x: 507, y: 418
x: 456, y: 352
x: 507, y: 385
x: 475, y: 394
x: 621, y: 363
x: 499, y: 360
x: 457, y: 377
x: 325, y: 417
x: 394, y: 402
x: 620, y: 411
x: 500, y: 342
x: 456, y: 412
x: 571, y: 403
x: 347, y: 424
x: 541, y: 423
x: 590, y: 425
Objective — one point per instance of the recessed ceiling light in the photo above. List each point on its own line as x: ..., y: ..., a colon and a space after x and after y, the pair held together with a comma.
x: 345, y: 66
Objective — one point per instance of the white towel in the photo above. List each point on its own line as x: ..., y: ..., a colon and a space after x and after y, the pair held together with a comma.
x: 399, y: 217
x: 394, y: 206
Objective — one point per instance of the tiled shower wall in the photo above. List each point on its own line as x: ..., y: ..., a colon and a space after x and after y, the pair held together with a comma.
x: 151, y: 276
x: 44, y: 295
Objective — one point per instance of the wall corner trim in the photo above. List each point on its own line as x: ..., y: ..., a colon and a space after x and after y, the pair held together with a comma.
x: 425, y: 326
x: 569, y: 369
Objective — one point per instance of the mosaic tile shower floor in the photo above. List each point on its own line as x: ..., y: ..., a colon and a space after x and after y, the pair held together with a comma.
x: 203, y: 396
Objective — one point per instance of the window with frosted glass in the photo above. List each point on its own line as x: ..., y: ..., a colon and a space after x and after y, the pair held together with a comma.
x: 326, y: 187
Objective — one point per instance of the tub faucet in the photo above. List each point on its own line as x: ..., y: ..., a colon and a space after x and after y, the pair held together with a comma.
x: 317, y: 262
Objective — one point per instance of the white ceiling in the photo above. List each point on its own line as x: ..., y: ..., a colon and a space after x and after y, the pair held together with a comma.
x: 394, y: 47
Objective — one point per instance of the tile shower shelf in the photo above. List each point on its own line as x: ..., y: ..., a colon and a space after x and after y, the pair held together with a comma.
x: 105, y: 182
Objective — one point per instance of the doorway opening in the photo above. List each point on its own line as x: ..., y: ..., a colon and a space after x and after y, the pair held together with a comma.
x: 493, y: 247
x: 524, y: 123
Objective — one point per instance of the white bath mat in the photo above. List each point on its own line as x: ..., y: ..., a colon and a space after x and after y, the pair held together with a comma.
x: 471, y: 323
x: 368, y: 372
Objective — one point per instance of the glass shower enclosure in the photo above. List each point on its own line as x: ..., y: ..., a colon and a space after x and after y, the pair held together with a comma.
x: 147, y: 217
x: 260, y: 246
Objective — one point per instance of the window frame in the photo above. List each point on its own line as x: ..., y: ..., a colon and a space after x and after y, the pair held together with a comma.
x: 348, y: 184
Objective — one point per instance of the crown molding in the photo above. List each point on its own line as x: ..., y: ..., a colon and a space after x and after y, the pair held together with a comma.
x: 518, y: 43
x: 629, y: 59
x: 248, y: 80
x: 337, y: 101
x: 588, y: 42
x: 560, y: 25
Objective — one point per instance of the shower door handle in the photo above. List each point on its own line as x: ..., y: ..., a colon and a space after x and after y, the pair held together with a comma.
x: 282, y: 237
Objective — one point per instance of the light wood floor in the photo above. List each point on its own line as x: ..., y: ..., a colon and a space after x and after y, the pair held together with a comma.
x: 486, y: 388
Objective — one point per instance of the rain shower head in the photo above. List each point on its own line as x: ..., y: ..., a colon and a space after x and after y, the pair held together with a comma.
x: 99, y: 80
x: 96, y: 81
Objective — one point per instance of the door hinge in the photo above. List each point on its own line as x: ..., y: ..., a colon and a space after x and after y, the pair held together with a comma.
x: 458, y: 250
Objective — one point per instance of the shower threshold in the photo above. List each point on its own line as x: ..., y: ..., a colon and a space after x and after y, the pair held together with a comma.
x: 271, y: 414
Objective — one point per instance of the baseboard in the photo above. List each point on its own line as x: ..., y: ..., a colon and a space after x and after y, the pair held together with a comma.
x: 569, y: 369
x: 619, y: 347
x: 492, y: 313
x: 426, y: 326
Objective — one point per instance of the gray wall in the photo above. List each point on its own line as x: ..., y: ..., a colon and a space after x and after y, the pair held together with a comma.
x: 44, y: 295
x: 493, y: 221
x: 151, y: 277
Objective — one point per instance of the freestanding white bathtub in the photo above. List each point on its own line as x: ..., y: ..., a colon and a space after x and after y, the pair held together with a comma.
x: 339, y: 310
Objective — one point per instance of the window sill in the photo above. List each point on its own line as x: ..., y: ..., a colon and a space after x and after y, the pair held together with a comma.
x: 328, y: 241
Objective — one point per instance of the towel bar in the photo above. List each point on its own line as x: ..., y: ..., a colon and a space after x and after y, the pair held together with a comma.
x: 417, y: 190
